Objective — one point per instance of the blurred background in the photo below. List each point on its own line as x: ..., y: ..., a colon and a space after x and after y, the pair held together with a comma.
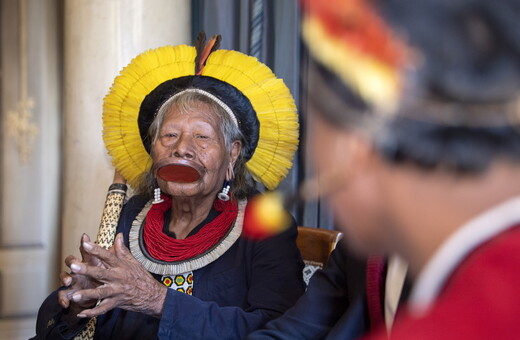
x: 58, y: 59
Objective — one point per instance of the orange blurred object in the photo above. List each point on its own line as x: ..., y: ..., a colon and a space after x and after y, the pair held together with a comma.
x: 265, y: 216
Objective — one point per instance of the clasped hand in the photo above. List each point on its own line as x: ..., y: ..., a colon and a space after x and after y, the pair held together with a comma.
x: 112, y: 277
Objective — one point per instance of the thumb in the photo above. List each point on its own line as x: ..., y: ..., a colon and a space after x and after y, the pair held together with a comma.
x: 119, y: 246
x: 85, y: 238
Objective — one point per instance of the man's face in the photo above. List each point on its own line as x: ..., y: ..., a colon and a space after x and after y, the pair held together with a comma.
x: 192, y: 139
x: 342, y: 161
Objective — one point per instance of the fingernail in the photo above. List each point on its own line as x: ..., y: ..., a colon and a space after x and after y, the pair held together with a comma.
x: 76, y: 297
x: 87, y: 245
x: 81, y: 315
x: 75, y: 267
x: 68, y: 281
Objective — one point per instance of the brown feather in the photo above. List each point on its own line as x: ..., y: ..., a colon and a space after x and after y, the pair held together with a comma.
x: 199, y: 46
x: 211, y: 46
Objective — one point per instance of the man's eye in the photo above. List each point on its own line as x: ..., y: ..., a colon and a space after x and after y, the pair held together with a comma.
x: 170, y: 135
x: 202, y: 137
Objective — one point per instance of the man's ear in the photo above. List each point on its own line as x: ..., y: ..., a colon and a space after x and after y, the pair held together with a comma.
x: 355, y: 152
x: 351, y: 149
x: 236, y: 147
x: 353, y: 164
x: 362, y: 151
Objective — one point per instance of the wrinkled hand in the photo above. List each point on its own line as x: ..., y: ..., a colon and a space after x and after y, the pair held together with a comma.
x: 75, y: 282
x: 125, y: 283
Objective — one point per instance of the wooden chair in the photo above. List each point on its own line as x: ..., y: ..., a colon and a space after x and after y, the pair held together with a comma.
x: 315, y: 246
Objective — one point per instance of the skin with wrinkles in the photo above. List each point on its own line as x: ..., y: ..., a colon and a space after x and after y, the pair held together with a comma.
x: 121, y: 282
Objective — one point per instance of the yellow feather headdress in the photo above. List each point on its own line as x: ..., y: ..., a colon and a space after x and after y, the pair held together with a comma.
x: 270, y: 99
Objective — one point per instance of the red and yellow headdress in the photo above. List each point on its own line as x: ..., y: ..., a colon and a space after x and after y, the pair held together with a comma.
x: 353, y: 42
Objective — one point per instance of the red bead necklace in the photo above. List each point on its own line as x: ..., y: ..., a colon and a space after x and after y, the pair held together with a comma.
x: 165, y: 248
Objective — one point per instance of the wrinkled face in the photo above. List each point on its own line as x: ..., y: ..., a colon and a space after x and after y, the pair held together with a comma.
x: 348, y: 183
x: 192, y: 139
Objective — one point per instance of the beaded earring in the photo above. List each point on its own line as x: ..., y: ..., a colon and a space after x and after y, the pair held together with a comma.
x: 223, y: 195
x: 156, y: 194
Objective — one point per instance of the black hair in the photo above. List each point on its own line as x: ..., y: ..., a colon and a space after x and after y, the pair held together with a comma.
x: 471, y: 51
x: 459, y: 149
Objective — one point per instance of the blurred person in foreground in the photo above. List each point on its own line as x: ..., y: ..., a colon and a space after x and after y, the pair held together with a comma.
x: 189, y: 128
x: 415, y: 121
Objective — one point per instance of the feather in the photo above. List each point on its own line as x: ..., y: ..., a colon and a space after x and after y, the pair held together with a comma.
x: 201, y: 58
x: 199, y: 46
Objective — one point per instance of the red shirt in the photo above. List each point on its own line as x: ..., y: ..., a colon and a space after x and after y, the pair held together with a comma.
x: 480, y: 300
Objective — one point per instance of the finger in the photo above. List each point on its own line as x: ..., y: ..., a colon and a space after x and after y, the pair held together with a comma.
x: 101, y: 308
x: 87, y: 303
x: 75, y: 266
x: 88, y: 297
x: 65, y: 279
x: 103, y: 254
x: 70, y: 259
x: 95, y: 273
x: 95, y: 294
x: 63, y: 298
x: 85, y: 255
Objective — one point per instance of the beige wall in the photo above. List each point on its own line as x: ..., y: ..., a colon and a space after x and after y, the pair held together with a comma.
x: 30, y: 161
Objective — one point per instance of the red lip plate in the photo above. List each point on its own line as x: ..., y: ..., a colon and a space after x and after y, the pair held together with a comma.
x: 178, y: 173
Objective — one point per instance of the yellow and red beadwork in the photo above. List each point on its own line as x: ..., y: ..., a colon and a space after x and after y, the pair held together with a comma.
x: 167, y: 281
x: 180, y: 282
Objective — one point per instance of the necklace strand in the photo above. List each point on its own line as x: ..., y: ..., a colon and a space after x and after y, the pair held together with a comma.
x: 165, y: 248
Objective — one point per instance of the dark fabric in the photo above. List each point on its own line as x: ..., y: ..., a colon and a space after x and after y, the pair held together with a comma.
x: 250, y: 284
x: 333, y: 305
x: 352, y: 324
x: 56, y: 323
x: 375, y: 276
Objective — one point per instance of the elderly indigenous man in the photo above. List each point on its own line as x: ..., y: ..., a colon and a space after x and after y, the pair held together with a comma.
x: 416, y: 138
x: 187, y: 127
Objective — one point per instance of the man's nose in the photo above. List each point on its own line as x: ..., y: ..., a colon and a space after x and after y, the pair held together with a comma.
x: 184, y: 147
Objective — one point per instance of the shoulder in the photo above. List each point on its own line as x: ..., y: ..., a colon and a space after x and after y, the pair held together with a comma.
x: 133, y: 206
x: 480, y: 300
x: 136, y: 201
x: 490, y: 268
x: 131, y: 209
